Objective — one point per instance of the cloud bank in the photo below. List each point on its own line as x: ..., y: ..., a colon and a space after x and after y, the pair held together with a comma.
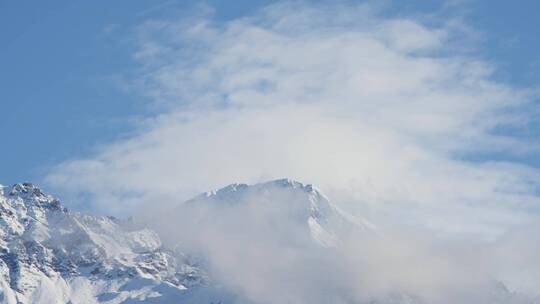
x: 386, y: 114
x: 258, y: 244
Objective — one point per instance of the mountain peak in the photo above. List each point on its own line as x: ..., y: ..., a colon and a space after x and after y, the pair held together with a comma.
x: 283, y: 183
x: 44, y: 248
x: 292, y: 184
x: 25, y: 189
x: 285, y: 201
x: 31, y: 195
x: 286, y: 182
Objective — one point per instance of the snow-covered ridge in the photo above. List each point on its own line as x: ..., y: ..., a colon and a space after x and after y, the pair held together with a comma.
x: 283, y: 183
x: 48, y: 252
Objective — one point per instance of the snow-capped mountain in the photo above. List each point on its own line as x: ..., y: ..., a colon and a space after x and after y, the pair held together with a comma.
x: 284, y: 205
x: 49, y: 254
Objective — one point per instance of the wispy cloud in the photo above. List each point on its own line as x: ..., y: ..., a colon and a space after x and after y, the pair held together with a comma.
x: 379, y: 112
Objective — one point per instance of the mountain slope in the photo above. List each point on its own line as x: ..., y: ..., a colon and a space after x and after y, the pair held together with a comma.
x: 285, y: 206
x: 51, y: 255
x: 289, y: 230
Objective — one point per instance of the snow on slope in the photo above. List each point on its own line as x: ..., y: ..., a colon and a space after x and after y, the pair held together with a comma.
x: 289, y: 205
x: 51, y: 255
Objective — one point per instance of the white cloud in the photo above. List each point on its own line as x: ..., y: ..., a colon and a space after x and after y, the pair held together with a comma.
x: 259, y: 245
x: 375, y: 111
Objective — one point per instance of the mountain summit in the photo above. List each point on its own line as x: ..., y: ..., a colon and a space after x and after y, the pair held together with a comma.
x: 284, y: 205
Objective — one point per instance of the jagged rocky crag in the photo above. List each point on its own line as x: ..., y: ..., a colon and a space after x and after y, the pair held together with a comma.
x: 51, y: 255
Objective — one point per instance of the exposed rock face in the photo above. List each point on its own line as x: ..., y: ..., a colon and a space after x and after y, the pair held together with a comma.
x: 47, y: 251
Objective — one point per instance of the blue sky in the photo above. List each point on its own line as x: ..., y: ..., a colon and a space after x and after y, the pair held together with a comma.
x: 59, y: 60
